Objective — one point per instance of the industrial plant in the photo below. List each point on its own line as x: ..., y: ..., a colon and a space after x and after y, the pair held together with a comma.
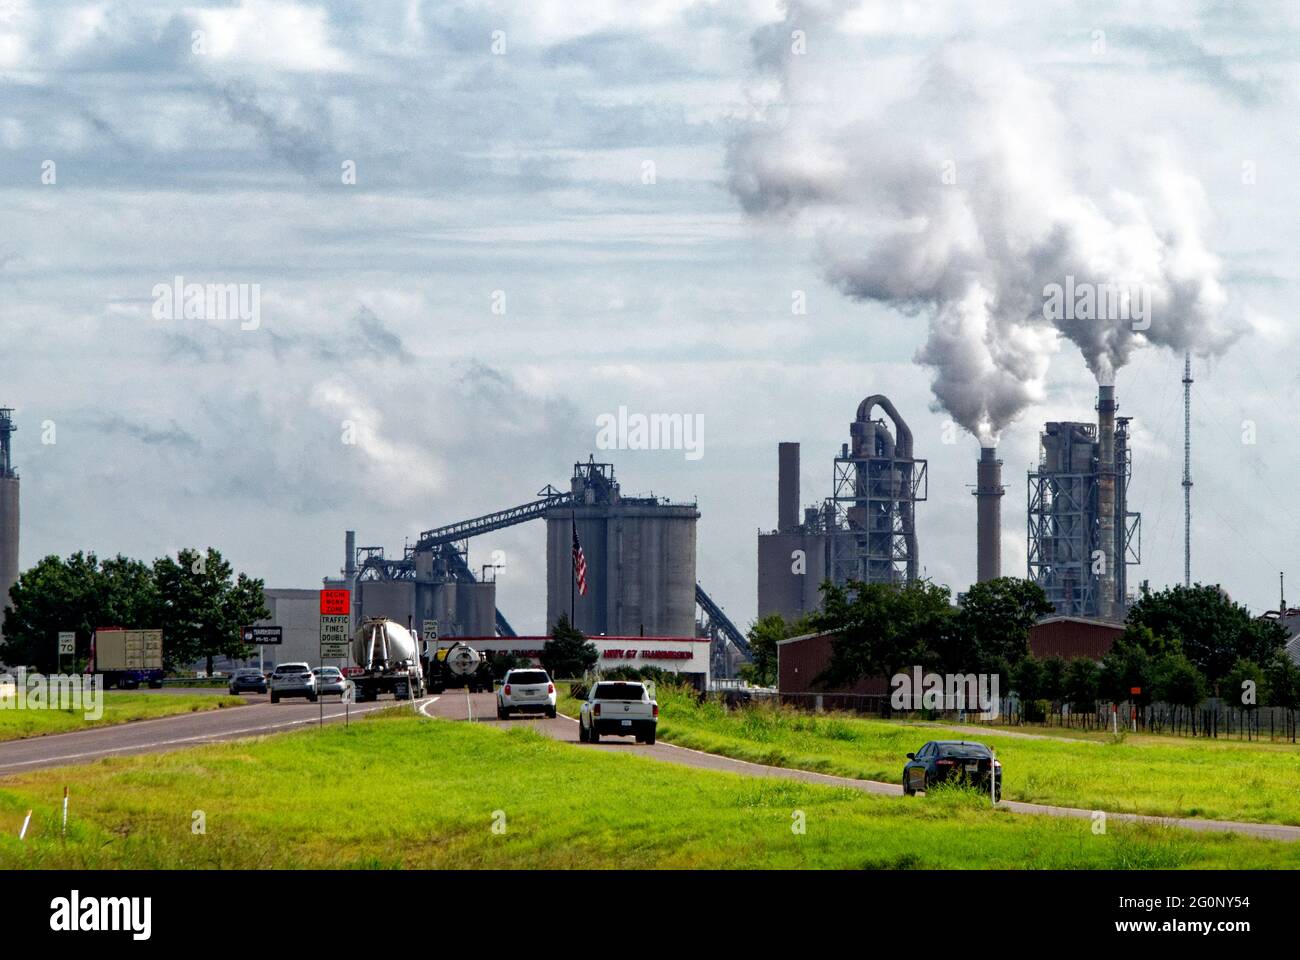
x: 639, y: 572
x: 1081, y: 535
x: 639, y: 555
x: 865, y: 530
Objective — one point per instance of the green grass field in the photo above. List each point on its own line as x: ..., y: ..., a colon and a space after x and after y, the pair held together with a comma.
x: 1166, y: 776
x: 401, y: 791
x: 118, y: 708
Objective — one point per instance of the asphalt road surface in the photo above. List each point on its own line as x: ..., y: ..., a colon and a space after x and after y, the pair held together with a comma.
x: 259, y: 716
x: 481, y: 707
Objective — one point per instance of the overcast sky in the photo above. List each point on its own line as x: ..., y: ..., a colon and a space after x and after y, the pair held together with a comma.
x: 584, y: 165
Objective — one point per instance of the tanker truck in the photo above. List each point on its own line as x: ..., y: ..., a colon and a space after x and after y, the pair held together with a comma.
x: 389, y: 661
x: 459, y: 665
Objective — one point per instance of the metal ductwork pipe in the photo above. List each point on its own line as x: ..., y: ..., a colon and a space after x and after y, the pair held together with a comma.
x: 988, y: 516
x: 902, y: 450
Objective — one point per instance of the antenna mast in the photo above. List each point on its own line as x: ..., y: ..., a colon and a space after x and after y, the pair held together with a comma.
x: 1187, y: 469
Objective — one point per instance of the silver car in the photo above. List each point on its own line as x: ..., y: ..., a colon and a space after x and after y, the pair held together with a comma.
x: 293, y: 680
x: 330, y: 680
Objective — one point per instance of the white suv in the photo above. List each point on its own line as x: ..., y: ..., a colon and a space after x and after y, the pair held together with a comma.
x: 529, y: 689
x: 293, y: 680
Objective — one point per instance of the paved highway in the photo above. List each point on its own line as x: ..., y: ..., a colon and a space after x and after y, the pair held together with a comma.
x: 259, y: 716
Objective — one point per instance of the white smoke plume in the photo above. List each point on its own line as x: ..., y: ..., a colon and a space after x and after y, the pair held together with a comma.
x: 952, y: 187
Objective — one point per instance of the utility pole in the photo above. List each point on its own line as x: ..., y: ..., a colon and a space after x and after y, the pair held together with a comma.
x: 1187, y: 468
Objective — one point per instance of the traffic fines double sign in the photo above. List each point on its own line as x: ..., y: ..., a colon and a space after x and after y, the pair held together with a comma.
x: 334, y: 618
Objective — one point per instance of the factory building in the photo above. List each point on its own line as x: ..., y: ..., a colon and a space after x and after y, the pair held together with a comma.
x: 639, y: 553
x: 8, y: 512
x: 1081, y: 535
x: 865, y: 530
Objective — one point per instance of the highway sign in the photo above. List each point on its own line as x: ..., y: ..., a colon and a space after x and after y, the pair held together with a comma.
x: 334, y: 603
x: 263, y: 635
x: 67, y: 642
x: 431, y: 629
x: 334, y: 634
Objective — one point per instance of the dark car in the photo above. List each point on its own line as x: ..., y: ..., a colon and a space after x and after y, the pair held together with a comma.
x: 944, y: 760
x: 247, y: 679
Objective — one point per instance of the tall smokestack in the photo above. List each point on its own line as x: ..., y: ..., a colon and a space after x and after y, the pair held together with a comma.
x: 8, y: 512
x: 1106, y: 604
x: 988, y: 516
x: 350, y: 556
x: 787, y: 491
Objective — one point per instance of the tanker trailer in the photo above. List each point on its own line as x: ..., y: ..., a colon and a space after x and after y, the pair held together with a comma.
x: 386, y: 653
x: 459, y: 665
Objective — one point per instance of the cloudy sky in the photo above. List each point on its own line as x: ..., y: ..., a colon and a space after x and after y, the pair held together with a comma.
x: 561, y: 209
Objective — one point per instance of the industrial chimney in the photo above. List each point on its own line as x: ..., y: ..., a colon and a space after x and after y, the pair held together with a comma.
x: 8, y: 511
x: 988, y: 516
x: 787, y: 490
x: 1106, y: 601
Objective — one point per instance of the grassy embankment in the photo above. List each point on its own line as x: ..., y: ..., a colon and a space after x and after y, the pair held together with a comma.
x: 118, y: 708
x: 402, y: 791
x: 1165, y: 776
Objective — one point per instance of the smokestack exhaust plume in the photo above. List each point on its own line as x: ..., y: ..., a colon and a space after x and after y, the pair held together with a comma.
x: 787, y: 493
x: 988, y: 516
x: 1106, y: 601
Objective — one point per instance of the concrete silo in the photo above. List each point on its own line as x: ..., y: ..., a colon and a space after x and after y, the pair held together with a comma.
x: 640, y: 559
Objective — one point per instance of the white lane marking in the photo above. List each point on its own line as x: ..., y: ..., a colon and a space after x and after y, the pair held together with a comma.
x: 427, y: 705
x: 218, y: 735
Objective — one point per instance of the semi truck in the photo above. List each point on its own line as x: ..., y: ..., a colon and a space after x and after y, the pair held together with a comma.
x: 459, y: 665
x: 388, y: 660
x: 127, y: 658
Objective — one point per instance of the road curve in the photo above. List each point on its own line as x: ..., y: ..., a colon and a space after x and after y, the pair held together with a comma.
x: 457, y: 705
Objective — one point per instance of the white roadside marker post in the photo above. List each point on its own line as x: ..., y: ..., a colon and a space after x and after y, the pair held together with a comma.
x: 993, y: 777
x: 65, y: 811
x: 22, y: 834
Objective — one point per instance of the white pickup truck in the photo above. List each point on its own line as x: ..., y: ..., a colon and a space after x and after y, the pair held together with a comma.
x: 618, y: 708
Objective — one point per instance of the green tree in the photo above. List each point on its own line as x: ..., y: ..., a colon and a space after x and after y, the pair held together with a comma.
x: 1176, y: 680
x: 1212, y: 630
x: 1245, y: 686
x: 1054, y: 678
x: 1283, y: 681
x: 995, y: 619
x: 1127, y: 665
x: 881, y: 628
x: 1082, y: 677
x: 568, y: 652
x: 1027, y: 679
x: 77, y: 594
x: 201, y: 606
x: 764, y: 635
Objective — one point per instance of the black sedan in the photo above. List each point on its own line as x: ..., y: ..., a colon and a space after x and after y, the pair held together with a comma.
x: 943, y: 760
x: 244, y: 680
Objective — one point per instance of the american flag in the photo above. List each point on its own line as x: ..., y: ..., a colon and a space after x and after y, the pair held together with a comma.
x: 579, y: 564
